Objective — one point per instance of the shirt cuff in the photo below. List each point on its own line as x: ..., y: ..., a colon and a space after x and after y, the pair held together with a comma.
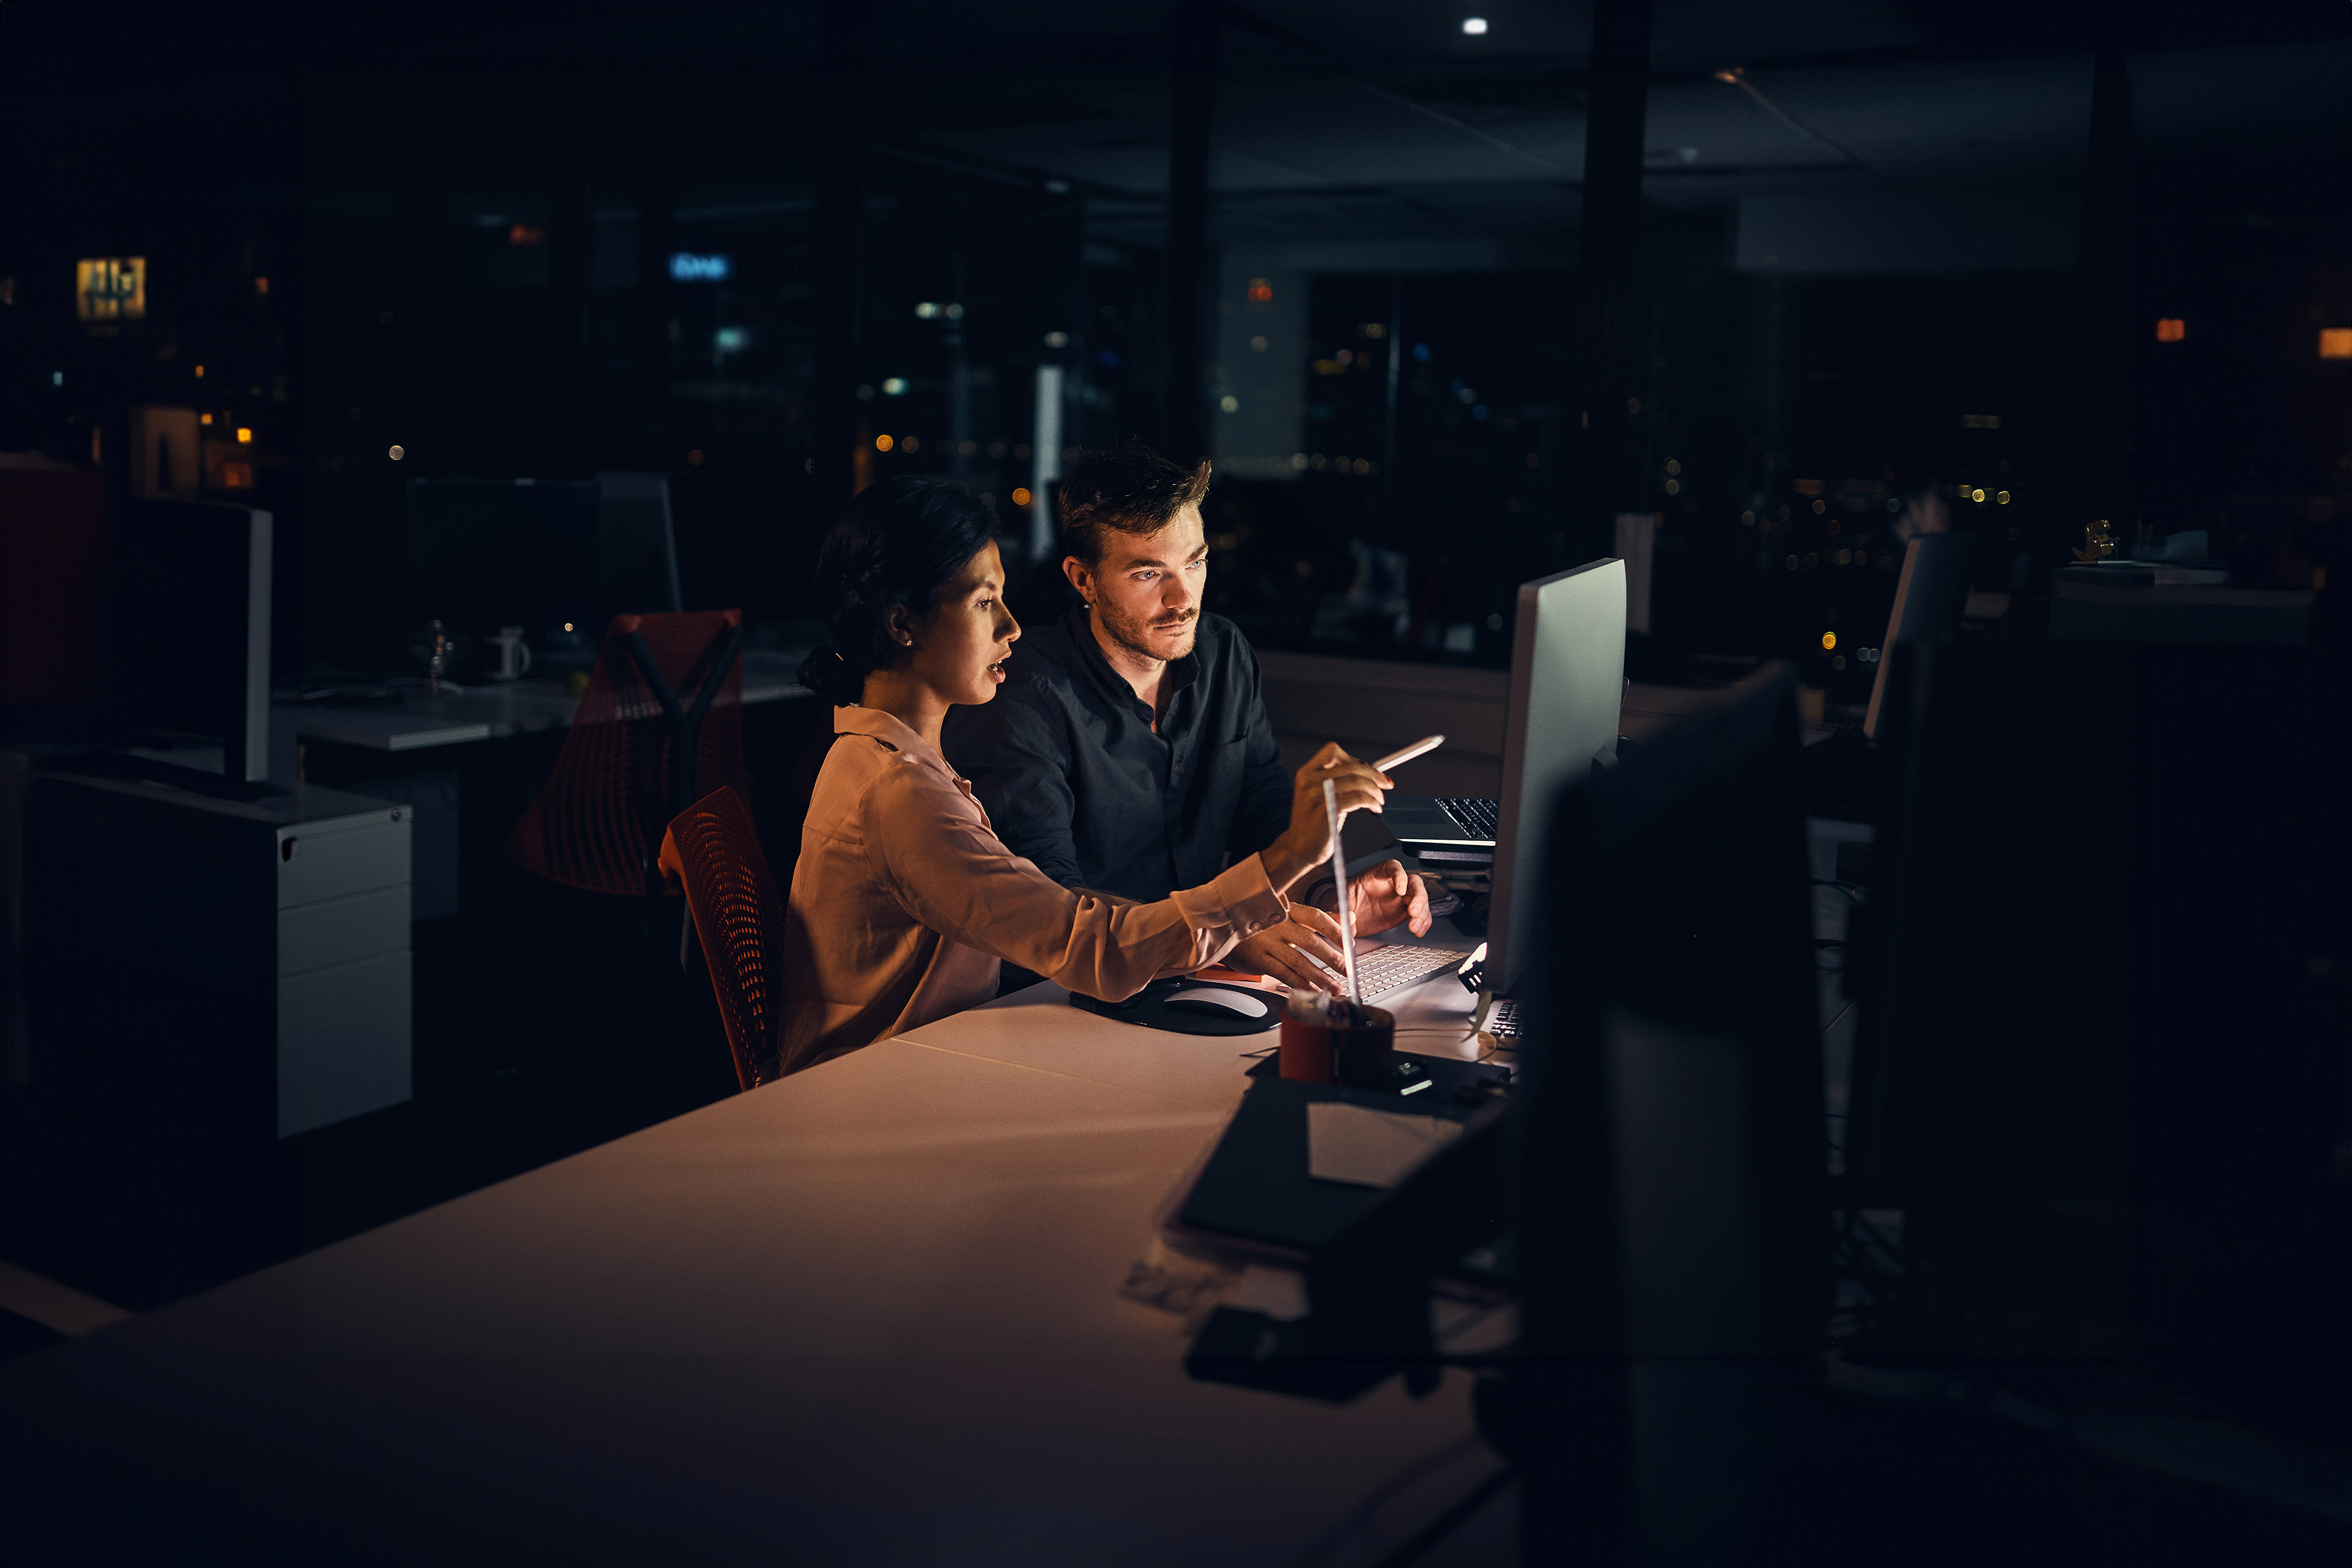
x: 1241, y: 900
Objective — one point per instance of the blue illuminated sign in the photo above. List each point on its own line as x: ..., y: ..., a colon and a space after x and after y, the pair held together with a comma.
x: 687, y: 267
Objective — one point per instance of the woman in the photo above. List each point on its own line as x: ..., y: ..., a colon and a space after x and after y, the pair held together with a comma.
x: 903, y: 900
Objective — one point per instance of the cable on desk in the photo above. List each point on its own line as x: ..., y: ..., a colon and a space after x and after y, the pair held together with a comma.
x: 1445, y: 1524
x: 1382, y: 1492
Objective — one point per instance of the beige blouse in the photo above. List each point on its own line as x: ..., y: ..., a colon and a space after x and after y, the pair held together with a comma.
x: 904, y: 899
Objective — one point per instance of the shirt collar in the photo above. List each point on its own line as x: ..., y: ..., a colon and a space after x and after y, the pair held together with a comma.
x: 892, y: 731
x: 1079, y: 624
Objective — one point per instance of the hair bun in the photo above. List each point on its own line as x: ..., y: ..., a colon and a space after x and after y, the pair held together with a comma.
x: 827, y: 673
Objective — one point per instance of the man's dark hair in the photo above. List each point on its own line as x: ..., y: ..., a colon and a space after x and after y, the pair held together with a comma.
x: 901, y: 542
x: 1125, y: 488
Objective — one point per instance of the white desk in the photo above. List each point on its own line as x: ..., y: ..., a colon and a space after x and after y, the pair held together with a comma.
x: 867, y: 1314
x: 449, y: 715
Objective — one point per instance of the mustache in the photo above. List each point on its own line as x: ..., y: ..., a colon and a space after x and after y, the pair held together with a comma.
x: 1178, y: 620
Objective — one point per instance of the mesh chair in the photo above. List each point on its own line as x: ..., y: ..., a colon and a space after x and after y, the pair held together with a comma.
x: 636, y: 754
x: 732, y: 902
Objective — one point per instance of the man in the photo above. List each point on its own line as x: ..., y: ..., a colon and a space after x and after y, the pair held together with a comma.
x: 1129, y: 751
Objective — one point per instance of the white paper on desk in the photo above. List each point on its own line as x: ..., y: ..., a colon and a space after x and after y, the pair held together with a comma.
x: 1371, y: 1148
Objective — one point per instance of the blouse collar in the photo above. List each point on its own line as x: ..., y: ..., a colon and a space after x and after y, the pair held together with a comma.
x: 892, y: 731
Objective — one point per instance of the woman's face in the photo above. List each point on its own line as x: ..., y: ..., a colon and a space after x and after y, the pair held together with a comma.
x: 960, y: 642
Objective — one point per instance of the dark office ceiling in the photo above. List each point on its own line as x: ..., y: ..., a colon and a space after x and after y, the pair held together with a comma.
x: 1332, y: 118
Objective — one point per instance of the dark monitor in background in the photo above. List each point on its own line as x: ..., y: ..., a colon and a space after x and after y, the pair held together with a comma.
x: 188, y: 627
x: 542, y: 555
x: 637, y: 546
x: 2101, y: 1065
x: 1929, y: 596
x: 485, y: 553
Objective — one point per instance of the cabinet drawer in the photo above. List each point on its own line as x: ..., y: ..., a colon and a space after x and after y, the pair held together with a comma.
x: 342, y: 1042
x: 337, y: 931
x: 341, y: 862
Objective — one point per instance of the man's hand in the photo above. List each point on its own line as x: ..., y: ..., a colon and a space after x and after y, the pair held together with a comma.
x: 1389, y: 896
x: 1358, y: 787
x: 1282, y: 951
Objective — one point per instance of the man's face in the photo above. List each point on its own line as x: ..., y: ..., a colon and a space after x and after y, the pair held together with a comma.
x: 1146, y: 589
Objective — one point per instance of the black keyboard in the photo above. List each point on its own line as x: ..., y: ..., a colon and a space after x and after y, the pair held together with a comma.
x: 1479, y: 818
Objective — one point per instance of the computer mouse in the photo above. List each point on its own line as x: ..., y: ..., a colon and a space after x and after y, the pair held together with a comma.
x: 1206, y: 999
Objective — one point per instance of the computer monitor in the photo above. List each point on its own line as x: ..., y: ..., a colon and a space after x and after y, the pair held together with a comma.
x: 1656, y: 1182
x: 637, y: 546
x: 1929, y: 596
x: 2087, y: 979
x: 1568, y: 686
x: 485, y: 553
x: 539, y: 553
x: 188, y: 634
x: 1668, y: 1179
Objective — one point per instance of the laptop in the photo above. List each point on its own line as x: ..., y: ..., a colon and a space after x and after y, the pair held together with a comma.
x: 1568, y: 685
x: 1442, y: 821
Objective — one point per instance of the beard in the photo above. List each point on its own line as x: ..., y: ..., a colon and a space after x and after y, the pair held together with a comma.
x: 1147, y: 637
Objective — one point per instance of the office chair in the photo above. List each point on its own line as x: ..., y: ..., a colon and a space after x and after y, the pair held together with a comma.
x: 661, y: 725
x: 731, y: 900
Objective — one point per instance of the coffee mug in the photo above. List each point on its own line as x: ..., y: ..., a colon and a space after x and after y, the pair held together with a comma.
x: 1325, y: 1040
x: 510, y: 657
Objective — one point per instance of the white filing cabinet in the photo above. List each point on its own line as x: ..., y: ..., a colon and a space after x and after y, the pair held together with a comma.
x: 283, y: 920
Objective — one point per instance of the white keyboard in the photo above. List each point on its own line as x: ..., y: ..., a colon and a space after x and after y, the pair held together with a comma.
x: 1394, y: 967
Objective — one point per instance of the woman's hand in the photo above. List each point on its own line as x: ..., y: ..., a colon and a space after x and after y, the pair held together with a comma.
x: 1284, y: 951
x: 1308, y: 840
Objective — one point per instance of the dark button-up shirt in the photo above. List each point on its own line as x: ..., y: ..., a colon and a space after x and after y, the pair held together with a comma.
x: 1074, y: 778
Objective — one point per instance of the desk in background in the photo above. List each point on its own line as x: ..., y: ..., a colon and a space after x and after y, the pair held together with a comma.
x: 449, y: 714
x: 869, y: 1313
x: 404, y: 749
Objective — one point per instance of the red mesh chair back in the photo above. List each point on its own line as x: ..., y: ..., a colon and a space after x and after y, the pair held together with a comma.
x: 660, y: 726
x: 714, y: 850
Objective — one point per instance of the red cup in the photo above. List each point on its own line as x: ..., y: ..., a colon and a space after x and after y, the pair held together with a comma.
x: 1347, y: 1044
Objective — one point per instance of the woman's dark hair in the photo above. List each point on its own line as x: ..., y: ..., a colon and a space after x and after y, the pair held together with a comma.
x: 899, y: 544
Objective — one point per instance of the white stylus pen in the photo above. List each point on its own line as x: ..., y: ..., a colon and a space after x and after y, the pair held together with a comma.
x: 1427, y: 744
x: 1339, y: 881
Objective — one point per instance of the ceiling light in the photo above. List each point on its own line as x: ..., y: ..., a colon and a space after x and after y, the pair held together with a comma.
x: 1473, y: 26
